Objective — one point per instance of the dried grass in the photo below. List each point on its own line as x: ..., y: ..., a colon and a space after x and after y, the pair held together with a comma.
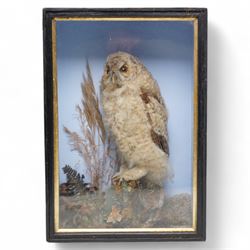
x: 93, y: 144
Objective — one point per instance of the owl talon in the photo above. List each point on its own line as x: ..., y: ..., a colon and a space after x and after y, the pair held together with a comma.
x: 118, y: 178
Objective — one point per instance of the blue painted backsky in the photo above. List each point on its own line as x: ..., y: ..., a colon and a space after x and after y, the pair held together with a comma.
x: 165, y: 48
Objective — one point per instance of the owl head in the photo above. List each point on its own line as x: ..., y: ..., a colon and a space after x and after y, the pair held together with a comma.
x: 120, y: 69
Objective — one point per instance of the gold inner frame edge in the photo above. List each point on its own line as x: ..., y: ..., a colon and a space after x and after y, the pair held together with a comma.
x: 55, y: 126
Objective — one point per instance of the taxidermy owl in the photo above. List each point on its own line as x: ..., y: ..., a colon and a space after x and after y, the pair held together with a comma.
x: 135, y: 114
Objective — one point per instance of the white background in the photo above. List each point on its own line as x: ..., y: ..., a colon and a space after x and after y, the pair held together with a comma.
x: 22, y: 182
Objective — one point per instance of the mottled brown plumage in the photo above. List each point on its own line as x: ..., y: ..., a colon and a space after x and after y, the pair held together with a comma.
x: 135, y: 113
x: 158, y: 139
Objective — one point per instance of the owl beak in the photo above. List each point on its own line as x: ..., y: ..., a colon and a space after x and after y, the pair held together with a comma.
x: 113, y: 79
x: 110, y: 76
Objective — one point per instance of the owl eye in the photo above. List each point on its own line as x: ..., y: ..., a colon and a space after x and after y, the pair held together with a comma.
x: 124, y: 68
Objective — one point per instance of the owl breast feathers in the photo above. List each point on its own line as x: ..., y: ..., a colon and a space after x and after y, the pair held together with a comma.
x: 135, y: 114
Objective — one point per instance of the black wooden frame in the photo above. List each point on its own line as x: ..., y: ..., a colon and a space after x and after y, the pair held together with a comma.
x: 201, y: 15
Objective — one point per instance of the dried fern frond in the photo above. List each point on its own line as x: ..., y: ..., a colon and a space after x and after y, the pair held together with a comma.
x: 75, y: 183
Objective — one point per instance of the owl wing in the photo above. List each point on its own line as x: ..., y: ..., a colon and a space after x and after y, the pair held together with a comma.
x: 157, y: 117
